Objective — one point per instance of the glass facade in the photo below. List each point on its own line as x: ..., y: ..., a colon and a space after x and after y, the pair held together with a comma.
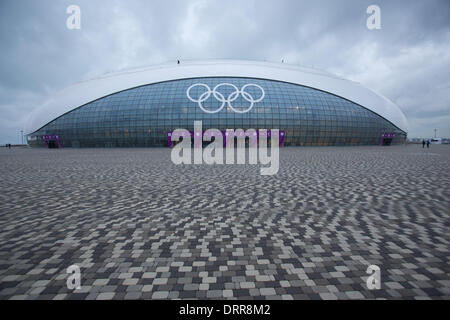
x: 141, y: 117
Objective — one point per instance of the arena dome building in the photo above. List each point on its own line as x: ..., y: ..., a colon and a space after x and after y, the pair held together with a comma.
x: 139, y: 108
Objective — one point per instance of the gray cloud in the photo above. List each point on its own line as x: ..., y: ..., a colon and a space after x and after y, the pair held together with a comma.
x: 407, y: 60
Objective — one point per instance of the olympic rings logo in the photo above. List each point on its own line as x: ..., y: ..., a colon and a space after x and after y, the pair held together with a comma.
x: 220, y: 97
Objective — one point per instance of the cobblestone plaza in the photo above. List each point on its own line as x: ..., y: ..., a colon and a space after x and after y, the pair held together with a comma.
x: 140, y: 227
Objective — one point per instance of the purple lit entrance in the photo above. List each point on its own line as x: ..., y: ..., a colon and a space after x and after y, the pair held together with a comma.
x: 191, y: 133
x: 386, y: 139
x: 52, y: 141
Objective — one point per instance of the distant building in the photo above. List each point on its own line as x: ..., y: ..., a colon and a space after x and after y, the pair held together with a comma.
x: 415, y: 140
x: 140, y: 108
x: 436, y: 140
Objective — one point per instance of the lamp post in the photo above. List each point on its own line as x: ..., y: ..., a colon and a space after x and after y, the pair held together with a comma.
x: 21, y: 135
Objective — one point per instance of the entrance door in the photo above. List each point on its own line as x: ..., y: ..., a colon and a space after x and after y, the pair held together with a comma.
x: 386, y: 141
x: 52, y: 144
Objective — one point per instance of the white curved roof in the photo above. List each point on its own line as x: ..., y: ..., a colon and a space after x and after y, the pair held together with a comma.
x: 87, y: 91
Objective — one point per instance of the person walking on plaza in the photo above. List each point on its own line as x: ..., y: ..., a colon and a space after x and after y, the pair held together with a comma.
x: 423, y: 143
x: 428, y: 143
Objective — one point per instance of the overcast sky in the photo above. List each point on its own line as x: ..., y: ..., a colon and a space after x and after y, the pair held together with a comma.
x: 407, y: 60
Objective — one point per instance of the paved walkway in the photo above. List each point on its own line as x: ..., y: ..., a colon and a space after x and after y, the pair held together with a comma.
x: 140, y: 227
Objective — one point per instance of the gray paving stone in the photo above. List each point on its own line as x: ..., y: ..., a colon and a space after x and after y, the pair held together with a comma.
x: 267, y: 291
x: 328, y: 296
x: 214, y: 293
x: 160, y: 295
x: 105, y: 296
x: 354, y: 295
x: 133, y: 295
